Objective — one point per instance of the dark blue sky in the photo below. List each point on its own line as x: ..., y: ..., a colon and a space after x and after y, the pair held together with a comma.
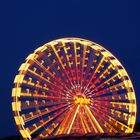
x: 25, y: 25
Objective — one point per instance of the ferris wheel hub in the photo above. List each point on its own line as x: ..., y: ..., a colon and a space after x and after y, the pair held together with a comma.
x: 82, y: 100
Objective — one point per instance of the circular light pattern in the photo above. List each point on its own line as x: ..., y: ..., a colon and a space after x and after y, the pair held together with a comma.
x: 72, y: 85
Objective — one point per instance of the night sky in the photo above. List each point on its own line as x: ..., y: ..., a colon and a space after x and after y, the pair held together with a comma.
x: 26, y: 25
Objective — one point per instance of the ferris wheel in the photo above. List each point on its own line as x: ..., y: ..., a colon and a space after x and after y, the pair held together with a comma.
x: 72, y: 85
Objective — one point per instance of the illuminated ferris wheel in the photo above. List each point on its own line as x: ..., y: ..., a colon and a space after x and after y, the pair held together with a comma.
x: 72, y: 85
